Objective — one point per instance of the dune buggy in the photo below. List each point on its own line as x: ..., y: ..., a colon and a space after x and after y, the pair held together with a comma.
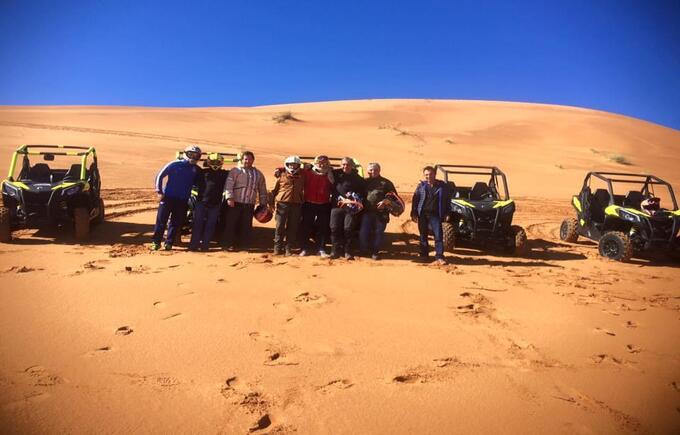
x: 43, y: 194
x: 480, y: 214
x: 618, y: 222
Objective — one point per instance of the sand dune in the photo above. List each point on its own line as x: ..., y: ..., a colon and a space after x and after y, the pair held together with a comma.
x: 107, y: 337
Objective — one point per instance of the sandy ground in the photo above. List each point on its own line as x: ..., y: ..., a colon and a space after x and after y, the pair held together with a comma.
x: 107, y: 337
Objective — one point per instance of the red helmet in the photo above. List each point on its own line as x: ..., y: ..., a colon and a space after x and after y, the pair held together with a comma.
x: 263, y: 214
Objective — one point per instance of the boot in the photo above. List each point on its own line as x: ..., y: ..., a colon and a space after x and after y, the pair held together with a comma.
x: 277, y: 250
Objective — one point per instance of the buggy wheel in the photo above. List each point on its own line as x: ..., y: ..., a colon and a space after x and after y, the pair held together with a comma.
x: 81, y: 218
x: 100, y: 217
x: 616, y: 245
x: 5, y: 225
x: 569, y: 230
x: 448, y: 236
x: 517, y: 241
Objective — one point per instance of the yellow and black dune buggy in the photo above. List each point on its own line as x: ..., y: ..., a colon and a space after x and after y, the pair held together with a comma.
x: 43, y: 194
x: 624, y: 225
x: 481, y: 214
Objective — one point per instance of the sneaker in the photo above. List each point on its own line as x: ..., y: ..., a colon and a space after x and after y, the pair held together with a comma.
x: 167, y: 247
x: 334, y: 255
x: 375, y: 257
x: 349, y: 256
x: 288, y: 252
x: 303, y: 253
x: 277, y: 250
x: 323, y: 254
x: 440, y: 262
x: 155, y: 246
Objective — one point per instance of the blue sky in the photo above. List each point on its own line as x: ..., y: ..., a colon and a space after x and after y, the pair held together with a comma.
x: 620, y: 56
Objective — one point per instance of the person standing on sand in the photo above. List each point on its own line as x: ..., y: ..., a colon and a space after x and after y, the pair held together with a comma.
x: 210, y: 183
x: 375, y: 215
x: 174, y: 196
x: 245, y: 183
x: 429, y: 207
x: 349, y: 189
x: 316, y: 210
x: 288, y: 194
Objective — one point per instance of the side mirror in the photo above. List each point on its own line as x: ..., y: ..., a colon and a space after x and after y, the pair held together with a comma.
x: 48, y: 157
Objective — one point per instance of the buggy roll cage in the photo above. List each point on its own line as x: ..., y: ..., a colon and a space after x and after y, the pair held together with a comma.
x: 27, y: 150
x: 645, y: 180
x: 228, y: 156
x: 491, y: 171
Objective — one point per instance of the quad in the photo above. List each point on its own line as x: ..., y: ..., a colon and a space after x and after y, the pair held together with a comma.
x: 42, y: 194
x: 480, y: 214
x: 622, y: 224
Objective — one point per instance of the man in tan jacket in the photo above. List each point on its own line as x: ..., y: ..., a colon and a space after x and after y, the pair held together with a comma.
x: 288, y: 193
x: 245, y: 183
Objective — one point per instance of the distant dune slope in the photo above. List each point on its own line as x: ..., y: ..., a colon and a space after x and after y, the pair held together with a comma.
x: 545, y: 150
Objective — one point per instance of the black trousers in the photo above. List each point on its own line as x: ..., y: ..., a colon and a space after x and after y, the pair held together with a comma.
x: 238, y: 227
x: 315, y: 217
x: 342, y: 229
x: 287, y: 222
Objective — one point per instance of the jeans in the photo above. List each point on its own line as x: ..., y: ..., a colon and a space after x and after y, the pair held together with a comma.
x: 315, y: 216
x: 205, y: 219
x: 238, y: 226
x: 434, y: 223
x: 342, y: 229
x: 372, y: 224
x: 176, y: 210
x: 287, y: 221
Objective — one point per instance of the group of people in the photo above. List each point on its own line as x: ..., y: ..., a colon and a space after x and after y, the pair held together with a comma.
x: 308, y: 201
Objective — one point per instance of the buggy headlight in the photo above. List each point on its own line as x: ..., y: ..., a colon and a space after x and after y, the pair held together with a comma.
x: 72, y: 190
x: 456, y: 208
x: 628, y: 216
x: 11, y: 190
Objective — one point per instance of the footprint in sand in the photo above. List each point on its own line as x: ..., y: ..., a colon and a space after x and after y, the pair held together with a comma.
x: 158, y: 304
x: 276, y: 357
x: 631, y: 324
x: 410, y: 378
x: 606, y: 331
x: 334, y: 385
x: 99, y: 351
x: 310, y: 298
x: 124, y: 330
x: 172, y: 316
x: 40, y: 377
x: 631, y: 348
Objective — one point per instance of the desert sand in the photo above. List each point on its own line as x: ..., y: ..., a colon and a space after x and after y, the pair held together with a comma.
x: 108, y: 337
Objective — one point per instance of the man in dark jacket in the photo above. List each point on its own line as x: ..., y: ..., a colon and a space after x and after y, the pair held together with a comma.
x: 348, y: 185
x: 210, y: 183
x: 174, y: 196
x: 430, y: 206
x: 375, y: 215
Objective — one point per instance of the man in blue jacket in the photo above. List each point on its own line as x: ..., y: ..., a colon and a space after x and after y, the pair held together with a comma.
x: 174, y: 196
x: 430, y: 206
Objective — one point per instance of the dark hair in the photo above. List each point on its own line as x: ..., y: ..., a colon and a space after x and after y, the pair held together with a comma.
x: 428, y: 168
x: 247, y: 153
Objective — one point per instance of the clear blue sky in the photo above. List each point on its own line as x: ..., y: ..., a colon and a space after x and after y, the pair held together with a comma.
x: 615, y: 55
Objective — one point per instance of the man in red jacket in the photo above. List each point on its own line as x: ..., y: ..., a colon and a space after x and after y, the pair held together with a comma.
x: 316, y: 209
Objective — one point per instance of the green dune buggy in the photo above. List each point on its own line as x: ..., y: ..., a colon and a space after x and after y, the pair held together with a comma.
x: 481, y: 214
x: 42, y: 194
x: 621, y: 223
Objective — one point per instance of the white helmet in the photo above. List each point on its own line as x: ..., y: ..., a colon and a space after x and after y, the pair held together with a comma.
x: 292, y: 164
x: 192, y: 153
